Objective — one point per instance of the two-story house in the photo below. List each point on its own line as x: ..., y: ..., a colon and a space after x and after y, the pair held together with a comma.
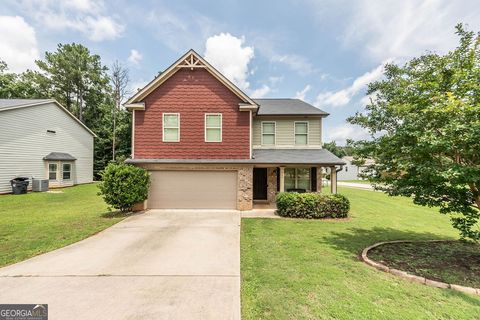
x: 209, y: 145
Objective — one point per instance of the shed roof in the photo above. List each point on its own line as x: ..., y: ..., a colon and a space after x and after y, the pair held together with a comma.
x: 287, y: 106
x: 59, y: 156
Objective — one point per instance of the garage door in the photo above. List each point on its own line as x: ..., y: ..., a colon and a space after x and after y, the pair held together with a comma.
x: 193, y: 190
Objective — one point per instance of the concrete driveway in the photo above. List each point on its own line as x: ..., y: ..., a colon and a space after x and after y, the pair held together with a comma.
x: 174, y: 264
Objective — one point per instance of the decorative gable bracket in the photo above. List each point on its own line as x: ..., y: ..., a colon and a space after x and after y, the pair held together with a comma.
x: 191, y: 62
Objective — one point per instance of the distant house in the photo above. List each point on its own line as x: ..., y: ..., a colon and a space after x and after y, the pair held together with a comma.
x: 352, y: 171
x: 41, y: 139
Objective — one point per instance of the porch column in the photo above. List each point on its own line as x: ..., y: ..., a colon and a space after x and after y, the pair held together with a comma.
x: 333, y: 180
x: 282, y: 179
x: 319, y: 179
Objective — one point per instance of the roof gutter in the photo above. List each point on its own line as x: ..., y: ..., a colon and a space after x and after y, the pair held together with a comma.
x: 135, y: 106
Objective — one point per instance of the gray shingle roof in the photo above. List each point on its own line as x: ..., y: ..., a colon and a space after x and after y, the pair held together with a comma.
x: 10, y: 103
x: 265, y: 156
x: 272, y: 107
x: 295, y: 156
x: 59, y: 156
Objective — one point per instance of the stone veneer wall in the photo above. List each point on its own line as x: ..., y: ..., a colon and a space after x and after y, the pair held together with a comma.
x: 271, y: 184
x: 244, y: 179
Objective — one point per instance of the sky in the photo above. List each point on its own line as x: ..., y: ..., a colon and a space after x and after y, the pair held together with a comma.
x: 322, y: 51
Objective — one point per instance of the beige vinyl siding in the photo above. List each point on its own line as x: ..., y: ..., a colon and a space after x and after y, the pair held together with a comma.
x: 285, y: 132
x: 24, y: 142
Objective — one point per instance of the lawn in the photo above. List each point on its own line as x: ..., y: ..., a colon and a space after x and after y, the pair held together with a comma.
x: 305, y: 269
x: 39, y: 222
x: 356, y: 181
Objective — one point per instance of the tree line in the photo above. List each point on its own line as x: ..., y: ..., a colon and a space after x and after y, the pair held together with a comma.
x: 91, y: 91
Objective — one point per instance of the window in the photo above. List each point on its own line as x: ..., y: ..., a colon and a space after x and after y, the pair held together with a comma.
x: 52, y: 171
x: 67, y: 171
x: 268, y: 133
x: 171, y: 127
x: 297, y: 178
x: 213, y: 127
x: 301, y: 133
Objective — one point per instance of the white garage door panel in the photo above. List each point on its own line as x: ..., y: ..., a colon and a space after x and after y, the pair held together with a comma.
x: 193, y: 190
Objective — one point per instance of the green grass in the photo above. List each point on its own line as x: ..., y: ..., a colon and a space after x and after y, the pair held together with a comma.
x: 305, y: 269
x: 39, y: 222
x: 456, y: 262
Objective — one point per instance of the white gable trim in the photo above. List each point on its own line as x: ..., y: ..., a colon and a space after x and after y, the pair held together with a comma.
x: 191, y: 60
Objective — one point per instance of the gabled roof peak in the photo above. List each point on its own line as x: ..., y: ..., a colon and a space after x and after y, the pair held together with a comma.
x: 192, y: 60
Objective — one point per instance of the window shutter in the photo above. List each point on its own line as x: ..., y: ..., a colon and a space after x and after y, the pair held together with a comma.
x: 278, y: 179
x: 313, y: 178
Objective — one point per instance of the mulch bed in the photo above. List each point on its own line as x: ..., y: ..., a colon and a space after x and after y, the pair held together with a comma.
x: 456, y: 262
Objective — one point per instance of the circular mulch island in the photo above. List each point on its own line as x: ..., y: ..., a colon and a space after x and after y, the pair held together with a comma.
x: 437, y: 263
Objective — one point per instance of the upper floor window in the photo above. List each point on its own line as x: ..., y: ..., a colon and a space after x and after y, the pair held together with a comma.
x: 301, y: 132
x: 268, y: 132
x: 213, y: 127
x: 171, y: 127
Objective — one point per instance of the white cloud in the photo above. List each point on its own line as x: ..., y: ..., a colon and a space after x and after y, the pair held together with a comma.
x: 85, y: 16
x: 135, y: 56
x: 301, y: 94
x: 137, y: 85
x: 341, y: 133
x: 295, y: 62
x: 228, y: 54
x: 344, y: 96
x: 407, y: 28
x: 260, y: 92
x: 18, y: 47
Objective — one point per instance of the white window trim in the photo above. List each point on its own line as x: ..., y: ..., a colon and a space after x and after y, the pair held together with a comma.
x: 295, y: 133
x: 56, y: 171
x: 163, y: 126
x: 221, y: 127
x: 71, y: 170
x: 309, y: 177
x: 274, y: 133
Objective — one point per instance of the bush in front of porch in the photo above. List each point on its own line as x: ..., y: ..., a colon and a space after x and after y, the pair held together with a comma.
x: 312, y: 205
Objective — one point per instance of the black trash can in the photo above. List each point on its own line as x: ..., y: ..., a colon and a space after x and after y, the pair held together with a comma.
x: 19, y: 185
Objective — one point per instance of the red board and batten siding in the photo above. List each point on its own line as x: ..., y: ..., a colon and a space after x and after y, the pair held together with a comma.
x: 192, y: 93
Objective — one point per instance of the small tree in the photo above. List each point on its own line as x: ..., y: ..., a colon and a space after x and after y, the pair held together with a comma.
x: 425, y: 126
x: 124, y: 185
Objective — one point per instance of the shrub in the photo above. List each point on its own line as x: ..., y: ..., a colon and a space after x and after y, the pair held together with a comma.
x: 312, y: 205
x: 124, y: 185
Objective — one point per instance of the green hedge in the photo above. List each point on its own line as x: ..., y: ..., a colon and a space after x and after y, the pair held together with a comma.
x: 312, y: 205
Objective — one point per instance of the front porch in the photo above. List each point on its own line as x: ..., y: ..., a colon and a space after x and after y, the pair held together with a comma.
x: 268, y: 181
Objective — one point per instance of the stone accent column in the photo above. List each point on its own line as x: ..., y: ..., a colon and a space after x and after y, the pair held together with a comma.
x: 244, y: 189
x: 333, y: 180
x: 282, y: 179
x: 271, y: 185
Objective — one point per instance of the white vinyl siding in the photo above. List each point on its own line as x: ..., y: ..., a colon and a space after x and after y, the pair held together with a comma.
x: 268, y: 133
x: 25, y: 141
x: 213, y: 127
x: 285, y: 132
x: 171, y: 127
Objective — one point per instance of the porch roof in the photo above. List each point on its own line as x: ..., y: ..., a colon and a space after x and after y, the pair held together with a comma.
x: 263, y: 156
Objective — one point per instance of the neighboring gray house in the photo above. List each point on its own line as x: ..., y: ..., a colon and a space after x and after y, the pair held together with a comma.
x: 351, y: 171
x: 41, y: 139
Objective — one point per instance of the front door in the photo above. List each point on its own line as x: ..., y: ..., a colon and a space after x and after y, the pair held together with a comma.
x: 259, y: 183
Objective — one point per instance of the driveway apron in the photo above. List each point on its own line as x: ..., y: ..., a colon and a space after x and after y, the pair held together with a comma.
x: 164, y: 264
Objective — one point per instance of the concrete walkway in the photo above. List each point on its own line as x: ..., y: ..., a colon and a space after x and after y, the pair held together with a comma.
x: 174, y: 264
x: 355, y: 185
